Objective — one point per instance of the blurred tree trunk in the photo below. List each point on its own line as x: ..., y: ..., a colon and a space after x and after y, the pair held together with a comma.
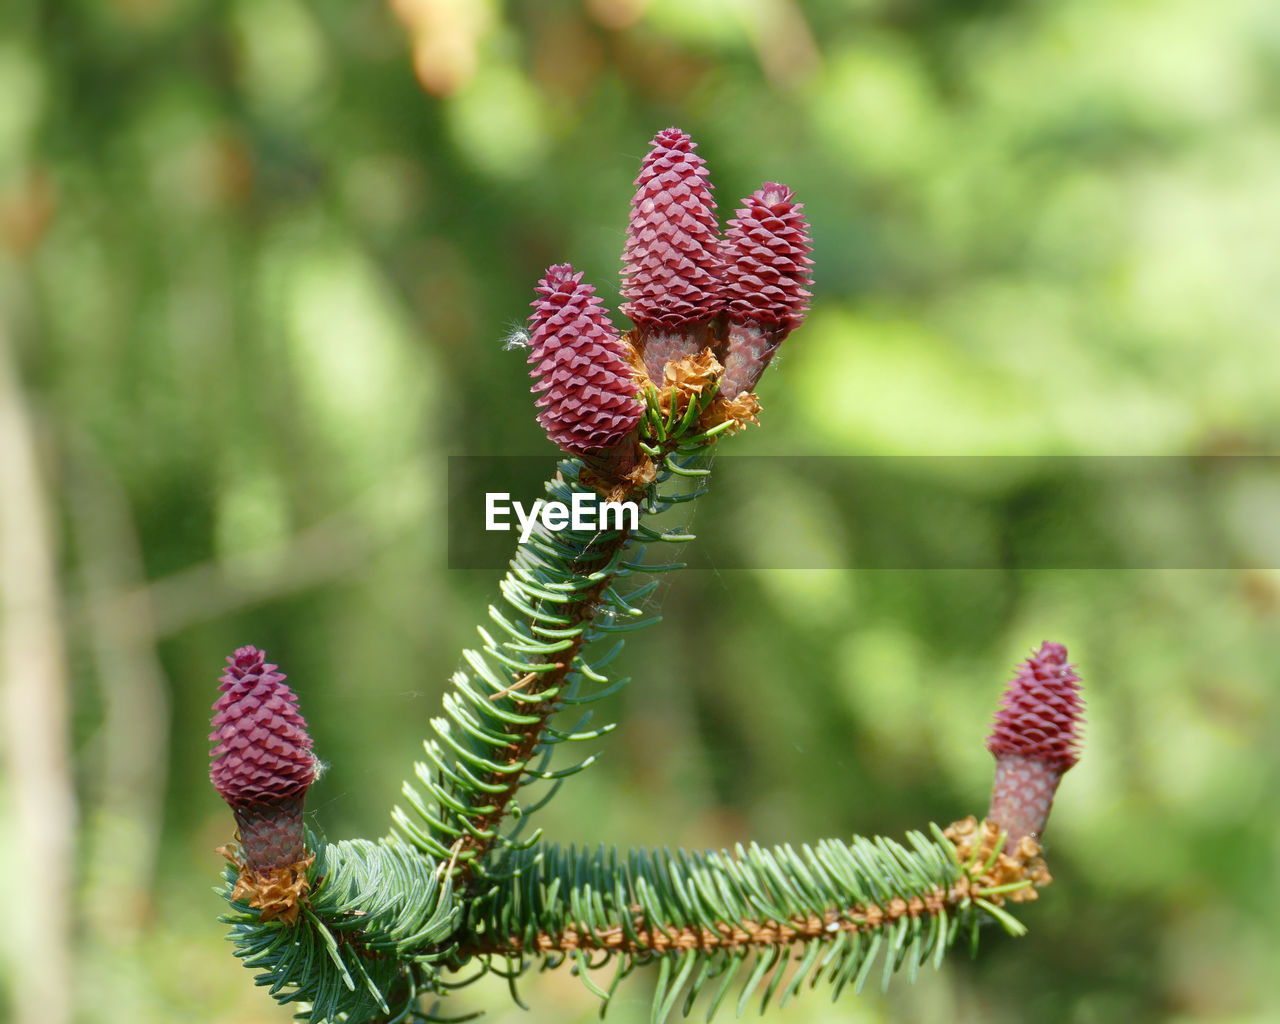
x: 34, y: 742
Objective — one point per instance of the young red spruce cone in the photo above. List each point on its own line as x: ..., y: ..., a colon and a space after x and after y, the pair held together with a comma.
x: 766, y: 255
x: 588, y: 392
x: 1035, y: 738
x: 671, y: 267
x: 262, y: 766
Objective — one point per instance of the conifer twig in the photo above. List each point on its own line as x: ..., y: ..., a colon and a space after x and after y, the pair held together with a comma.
x: 525, y: 738
x: 372, y: 926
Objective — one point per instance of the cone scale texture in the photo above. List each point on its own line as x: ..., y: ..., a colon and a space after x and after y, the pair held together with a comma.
x: 766, y: 257
x: 766, y: 277
x: 671, y: 267
x: 262, y: 763
x: 272, y: 836
x: 1035, y: 739
x: 688, y: 290
x: 588, y: 395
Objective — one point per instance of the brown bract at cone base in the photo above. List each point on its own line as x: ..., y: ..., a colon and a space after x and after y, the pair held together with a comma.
x: 977, y: 843
x: 278, y: 893
x: 619, y: 473
x: 684, y: 380
x: 688, y: 378
x: 740, y: 411
x: 659, y: 348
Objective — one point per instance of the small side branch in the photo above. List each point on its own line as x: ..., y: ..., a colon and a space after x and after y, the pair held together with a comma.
x: 642, y: 937
x: 834, y: 909
x: 526, y: 738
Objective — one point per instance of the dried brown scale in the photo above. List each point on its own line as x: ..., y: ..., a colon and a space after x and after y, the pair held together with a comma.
x: 976, y: 843
x: 685, y: 380
x: 276, y: 892
x: 740, y: 411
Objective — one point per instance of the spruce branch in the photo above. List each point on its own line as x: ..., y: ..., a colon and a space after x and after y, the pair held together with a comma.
x: 628, y: 438
x: 744, y: 915
x: 536, y: 693
x: 360, y: 932
x: 565, y: 600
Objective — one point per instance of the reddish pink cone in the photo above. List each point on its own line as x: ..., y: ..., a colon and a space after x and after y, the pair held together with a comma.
x: 766, y: 253
x: 1035, y: 738
x: 671, y: 263
x: 262, y: 764
x: 766, y: 278
x: 589, y: 398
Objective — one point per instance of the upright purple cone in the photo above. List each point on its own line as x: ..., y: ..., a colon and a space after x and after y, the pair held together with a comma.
x: 766, y: 278
x: 262, y: 764
x: 1035, y: 739
x: 588, y: 394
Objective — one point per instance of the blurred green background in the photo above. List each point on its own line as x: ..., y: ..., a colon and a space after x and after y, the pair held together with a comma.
x: 257, y: 263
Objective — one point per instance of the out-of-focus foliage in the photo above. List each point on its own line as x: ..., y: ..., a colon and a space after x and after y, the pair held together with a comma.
x: 257, y: 263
